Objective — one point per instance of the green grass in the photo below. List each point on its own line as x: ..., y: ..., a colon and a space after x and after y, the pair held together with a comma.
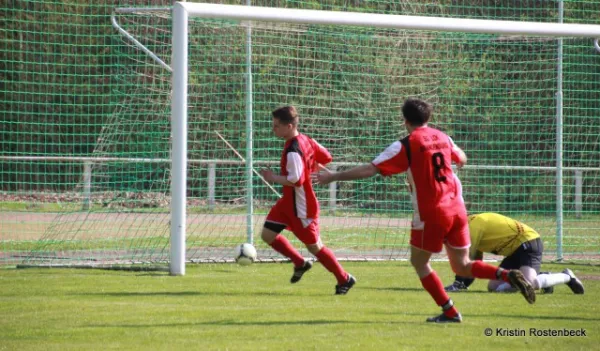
x: 228, y: 307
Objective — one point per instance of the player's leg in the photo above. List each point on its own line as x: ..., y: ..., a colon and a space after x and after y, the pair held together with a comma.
x: 275, y: 223
x: 426, y: 238
x: 480, y: 269
x: 307, y: 230
x: 528, y: 258
x: 500, y: 279
x: 566, y: 277
x: 457, y: 244
x: 271, y: 235
x: 532, y: 263
x: 509, y: 262
x: 500, y: 286
x: 531, y: 260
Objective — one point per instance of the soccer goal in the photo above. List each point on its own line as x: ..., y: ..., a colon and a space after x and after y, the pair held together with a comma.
x: 496, y: 86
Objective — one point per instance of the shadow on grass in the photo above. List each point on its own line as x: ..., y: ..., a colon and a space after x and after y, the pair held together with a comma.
x: 157, y: 274
x: 420, y: 290
x: 193, y: 293
x: 231, y: 322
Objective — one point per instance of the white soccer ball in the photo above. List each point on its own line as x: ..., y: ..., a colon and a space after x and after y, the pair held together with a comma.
x: 245, y: 254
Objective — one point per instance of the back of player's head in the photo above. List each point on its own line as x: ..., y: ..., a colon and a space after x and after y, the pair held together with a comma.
x: 286, y: 115
x: 416, y: 112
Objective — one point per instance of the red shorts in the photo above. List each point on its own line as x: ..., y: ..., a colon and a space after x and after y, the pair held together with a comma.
x: 452, y: 231
x: 282, y: 214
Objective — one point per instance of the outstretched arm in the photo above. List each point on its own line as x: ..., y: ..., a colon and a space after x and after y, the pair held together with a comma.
x: 325, y: 176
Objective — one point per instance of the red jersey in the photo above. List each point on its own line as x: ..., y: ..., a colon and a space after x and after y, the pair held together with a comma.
x: 426, y: 155
x: 299, y: 159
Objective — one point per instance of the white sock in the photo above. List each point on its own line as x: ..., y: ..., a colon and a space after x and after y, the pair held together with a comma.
x: 548, y: 280
x: 505, y: 287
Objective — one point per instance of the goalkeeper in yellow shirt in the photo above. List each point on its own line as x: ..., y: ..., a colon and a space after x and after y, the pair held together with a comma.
x: 522, y: 249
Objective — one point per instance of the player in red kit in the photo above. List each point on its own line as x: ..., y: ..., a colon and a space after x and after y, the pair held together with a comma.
x: 440, y: 216
x: 298, y: 209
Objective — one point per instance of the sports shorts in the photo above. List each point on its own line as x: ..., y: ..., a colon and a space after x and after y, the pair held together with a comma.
x: 282, y: 217
x: 528, y: 253
x: 431, y: 235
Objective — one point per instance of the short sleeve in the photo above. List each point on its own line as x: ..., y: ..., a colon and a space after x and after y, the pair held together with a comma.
x: 392, y: 160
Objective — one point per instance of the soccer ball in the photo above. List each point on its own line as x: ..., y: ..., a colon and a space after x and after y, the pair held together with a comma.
x: 245, y: 254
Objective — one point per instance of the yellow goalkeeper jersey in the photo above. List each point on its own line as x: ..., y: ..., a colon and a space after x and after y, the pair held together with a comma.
x: 498, y: 234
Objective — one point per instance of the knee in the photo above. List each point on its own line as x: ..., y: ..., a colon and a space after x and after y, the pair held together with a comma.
x: 268, y: 236
x: 529, y: 273
x: 416, y: 263
x: 420, y: 265
x: 314, y: 248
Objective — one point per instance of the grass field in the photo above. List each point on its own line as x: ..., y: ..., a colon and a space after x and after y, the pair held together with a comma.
x: 229, y: 307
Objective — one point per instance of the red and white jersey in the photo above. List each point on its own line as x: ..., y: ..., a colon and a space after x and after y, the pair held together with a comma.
x: 301, y: 156
x: 426, y: 155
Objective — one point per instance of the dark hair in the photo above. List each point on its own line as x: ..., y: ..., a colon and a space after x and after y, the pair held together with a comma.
x: 416, y: 112
x: 286, y: 115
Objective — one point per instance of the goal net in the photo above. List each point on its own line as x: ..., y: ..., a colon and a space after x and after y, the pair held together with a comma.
x: 500, y: 96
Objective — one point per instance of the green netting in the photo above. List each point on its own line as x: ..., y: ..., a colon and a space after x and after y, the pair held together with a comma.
x: 86, y: 125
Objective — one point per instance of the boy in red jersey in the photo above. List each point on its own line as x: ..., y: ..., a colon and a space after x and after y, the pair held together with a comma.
x: 440, y: 216
x: 298, y: 208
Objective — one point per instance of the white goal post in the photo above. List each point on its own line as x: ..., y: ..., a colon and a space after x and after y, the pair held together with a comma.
x: 179, y: 118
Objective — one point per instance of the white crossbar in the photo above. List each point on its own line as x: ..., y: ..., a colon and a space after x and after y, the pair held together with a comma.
x: 390, y: 21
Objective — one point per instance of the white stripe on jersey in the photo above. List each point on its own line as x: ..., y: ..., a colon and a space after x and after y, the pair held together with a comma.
x: 388, y: 153
x: 306, y: 222
x: 417, y: 223
x: 294, y: 167
x: 301, y: 205
x: 458, y: 187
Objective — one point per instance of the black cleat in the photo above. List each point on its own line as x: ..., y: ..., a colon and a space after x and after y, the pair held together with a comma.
x: 548, y: 290
x: 575, y: 284
x: 344, y: 288
x: 443, y: 319
x: 517, y: 280
x: 456, y: 286
x: 299, y: 271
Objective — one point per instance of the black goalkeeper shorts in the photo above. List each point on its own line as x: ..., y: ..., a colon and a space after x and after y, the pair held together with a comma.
x: 528, y: 254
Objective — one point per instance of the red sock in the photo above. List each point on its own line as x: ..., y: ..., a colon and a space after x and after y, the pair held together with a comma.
x: 328, y: 260
x: 435, y: 288
x: 480, y: 269
x: 282, y: 245
x: 503, y: 274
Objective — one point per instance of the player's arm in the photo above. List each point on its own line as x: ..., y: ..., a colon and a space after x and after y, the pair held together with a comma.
x: 271, y: 177
x: 295, y: 169
x: 392, y: 160
x: 360, y: 172
x: 322, y: 155
x: 458, y: 155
